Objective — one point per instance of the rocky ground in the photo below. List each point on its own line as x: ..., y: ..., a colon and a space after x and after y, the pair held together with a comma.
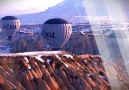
x: 60, y: 71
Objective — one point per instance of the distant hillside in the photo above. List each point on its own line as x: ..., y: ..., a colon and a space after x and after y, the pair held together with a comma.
x: 77, y: 11
x: 71, y: 10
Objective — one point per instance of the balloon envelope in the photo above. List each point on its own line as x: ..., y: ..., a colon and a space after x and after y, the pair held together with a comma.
x: 10, y: 25
x: 56, y: 32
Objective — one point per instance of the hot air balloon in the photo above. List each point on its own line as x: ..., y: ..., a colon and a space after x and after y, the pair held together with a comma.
x: 56, y: 32
x: 10, y: 25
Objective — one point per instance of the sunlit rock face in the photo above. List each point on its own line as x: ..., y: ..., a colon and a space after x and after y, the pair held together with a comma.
x: 56, y: 70
x: 53, y: 70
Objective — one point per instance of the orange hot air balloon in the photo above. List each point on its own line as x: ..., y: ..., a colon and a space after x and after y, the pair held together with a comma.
x: 10, y: 25
x: 56, y: 32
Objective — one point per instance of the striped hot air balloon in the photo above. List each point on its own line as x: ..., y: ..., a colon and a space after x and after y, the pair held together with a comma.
x: 10, y: 25
x: 56, y: 32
